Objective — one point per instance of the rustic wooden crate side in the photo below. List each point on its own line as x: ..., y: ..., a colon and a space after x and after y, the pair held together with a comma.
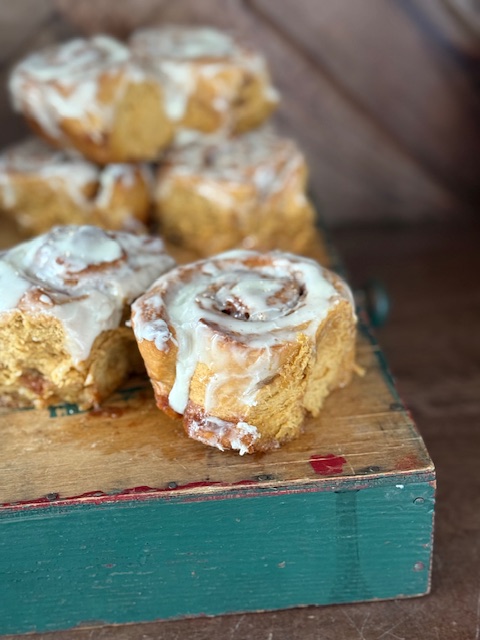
x: 243, y: 550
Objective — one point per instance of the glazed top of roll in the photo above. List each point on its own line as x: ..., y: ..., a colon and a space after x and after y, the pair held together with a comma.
x: 259, y: 158
x: 179, y: 53
x: 81, y: 275
x: 33, y: 157
x: 63, y: 81
x: 190, y: 43
x: 244, y: 298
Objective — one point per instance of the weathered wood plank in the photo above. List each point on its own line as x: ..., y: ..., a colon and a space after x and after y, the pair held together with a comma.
x: 388, y: 61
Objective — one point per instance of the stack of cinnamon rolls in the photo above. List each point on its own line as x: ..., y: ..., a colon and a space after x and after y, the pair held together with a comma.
x: 165, y: 136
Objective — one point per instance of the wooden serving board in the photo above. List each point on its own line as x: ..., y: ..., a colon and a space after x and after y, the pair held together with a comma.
x: 116, y: 516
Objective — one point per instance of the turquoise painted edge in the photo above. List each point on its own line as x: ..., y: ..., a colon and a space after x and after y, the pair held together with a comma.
x: 161, y: 559
x: 217, y: 491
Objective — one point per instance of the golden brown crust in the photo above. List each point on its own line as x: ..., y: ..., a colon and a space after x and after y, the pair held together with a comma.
x: 41, y: 187
x: 38, y: 370
x: 204, y: 212
x: 139, y: 132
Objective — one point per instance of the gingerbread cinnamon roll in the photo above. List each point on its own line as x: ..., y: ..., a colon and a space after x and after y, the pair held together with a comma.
x: 211, y: 81
x: 93, y: 96
x: 41, y: 187
x: 244, y: 344
x: 64, y: 303
x: 248, y: 191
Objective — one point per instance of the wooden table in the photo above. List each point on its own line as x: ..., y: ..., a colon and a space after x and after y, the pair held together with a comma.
x: 433, y: 344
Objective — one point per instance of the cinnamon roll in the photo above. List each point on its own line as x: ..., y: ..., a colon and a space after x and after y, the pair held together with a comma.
x: 63, y: 309
x: 244, y: 344
x: 41, y: 187
x: 247, y: 191
x: 211, y: 81
x: 119, y: 103
x: 93, y: 96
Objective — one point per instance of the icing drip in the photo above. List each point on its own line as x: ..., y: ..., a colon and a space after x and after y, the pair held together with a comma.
x: 231, y: 312
x: 81, y: 275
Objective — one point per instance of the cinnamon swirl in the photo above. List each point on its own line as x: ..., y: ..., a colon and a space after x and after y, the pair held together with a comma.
x: 246, y: 191
x: 244, y: 344
x: 41, y: 187
x: 65, y: 297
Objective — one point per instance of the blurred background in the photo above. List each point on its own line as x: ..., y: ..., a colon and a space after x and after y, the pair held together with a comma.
x: 381, y: 94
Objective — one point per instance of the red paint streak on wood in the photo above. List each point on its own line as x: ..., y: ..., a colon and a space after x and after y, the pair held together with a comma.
x: 327, y: 465
x: 406, y: 463
x: 97, y: 497
x: 146, y: 493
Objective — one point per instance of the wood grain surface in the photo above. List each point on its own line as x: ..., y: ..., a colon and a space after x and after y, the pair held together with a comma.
x: 383, y: 96
x: 71, y: 456
x: 433, y: 345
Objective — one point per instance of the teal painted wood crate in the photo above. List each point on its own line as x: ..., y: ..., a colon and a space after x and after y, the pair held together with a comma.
x: 115, y: 516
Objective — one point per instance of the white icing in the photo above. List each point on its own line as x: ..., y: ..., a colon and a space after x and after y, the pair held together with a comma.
x: 209, y: 190
x: 64, y: 172
x: 182, y: 43
x: 12, y: 285
x: 178, y: 89
x: 220, y: 430
x: 227, y: 299
x: 7, y: 191
x: 110, y: 176
x: 185, y: 136
x: 45, y: 299
x: 81, y: 275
